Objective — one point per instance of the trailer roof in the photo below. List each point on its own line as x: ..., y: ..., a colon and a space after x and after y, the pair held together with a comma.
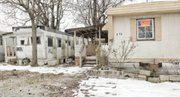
x: 157, y: 7
x: 5, y: 33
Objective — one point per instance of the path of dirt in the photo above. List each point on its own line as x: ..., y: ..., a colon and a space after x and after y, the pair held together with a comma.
x: 27, y: 84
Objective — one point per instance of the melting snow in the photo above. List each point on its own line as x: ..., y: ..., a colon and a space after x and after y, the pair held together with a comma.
x: 54, y: 70
x: 105, y: 87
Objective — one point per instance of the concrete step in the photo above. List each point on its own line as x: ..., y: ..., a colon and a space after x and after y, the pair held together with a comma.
x: 89, y: 65
x: 90, y: 62
x: 91, y: 58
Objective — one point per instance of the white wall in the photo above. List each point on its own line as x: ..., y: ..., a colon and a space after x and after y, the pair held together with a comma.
x: 58, y: 52
x: 1, y: 53
x: 27, y: 48
x: 168, y: 47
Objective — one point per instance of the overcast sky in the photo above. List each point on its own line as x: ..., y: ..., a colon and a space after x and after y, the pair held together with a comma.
x: 68, y: 20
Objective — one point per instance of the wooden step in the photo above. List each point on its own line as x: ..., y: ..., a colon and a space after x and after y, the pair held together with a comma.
x: 90, y: 62
x: 89, y: 65
x: 91, y: 58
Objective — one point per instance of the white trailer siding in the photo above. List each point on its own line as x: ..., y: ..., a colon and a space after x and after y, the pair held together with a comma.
x: 1, y: 49
x: 1, y: 53
x: 46, y: 54
x: 168, y: 47
x: 27, y: 47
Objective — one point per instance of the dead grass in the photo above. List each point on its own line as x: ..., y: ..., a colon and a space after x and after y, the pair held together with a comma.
x: 27, y: 84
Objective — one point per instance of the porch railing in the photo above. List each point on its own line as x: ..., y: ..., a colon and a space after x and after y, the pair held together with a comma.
x: 10, y: 51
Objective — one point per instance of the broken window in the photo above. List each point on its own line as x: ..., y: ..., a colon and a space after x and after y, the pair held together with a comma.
x: 59, y: 42
x: 69, y: 43
x: 38, y: 40
x: 145, y: 29
x: 22, y: 42
x: 1, y: 41
x: 50, y: 41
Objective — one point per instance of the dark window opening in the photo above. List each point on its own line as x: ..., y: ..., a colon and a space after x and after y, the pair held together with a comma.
x: 69, y: 42
x: 1, y: 41
x: 38, y: 40
x: 59, y: 42
x: 50, y: 42
x: 22, y: 42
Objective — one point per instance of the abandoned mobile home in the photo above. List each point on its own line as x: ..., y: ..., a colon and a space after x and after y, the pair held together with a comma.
x: 154, y: 27
x: 52, y: 47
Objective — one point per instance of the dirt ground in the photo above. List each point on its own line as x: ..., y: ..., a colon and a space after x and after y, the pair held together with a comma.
x: 27, y: 84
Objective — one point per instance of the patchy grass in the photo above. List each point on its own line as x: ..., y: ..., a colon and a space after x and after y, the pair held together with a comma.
x: 27, y: 84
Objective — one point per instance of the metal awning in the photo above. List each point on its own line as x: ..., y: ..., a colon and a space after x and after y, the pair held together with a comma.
x: 88, y: 31
x: 5, y: 33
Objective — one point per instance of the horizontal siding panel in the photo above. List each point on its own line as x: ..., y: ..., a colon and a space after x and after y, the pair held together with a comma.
x: 161, y: 7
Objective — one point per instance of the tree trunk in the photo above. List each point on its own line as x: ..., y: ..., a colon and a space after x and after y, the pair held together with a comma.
x: 34, y: 61
x: 95, y: 12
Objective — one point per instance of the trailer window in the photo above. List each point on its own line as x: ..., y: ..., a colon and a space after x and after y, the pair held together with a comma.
x: 59, y: 42
x: 38, y: 40
x: 1, y: 41
x: 69, y: 43
x: 22, y: 42
x: 145, y: 29
x: 50, y: 41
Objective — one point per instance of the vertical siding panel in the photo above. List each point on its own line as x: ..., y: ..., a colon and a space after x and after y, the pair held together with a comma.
x: 133, y: 29
x: 158, y: 35
x: 110, y: 28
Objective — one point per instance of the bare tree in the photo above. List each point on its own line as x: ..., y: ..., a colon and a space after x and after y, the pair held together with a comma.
x: 122, y: 53
x: 46, y: 12
x: 52, y: 13
x: 92, y: 12
x: 30, y: 7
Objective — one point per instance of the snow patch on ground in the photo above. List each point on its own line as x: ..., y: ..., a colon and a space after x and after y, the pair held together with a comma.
x: 106, y: 87
x: 54, y: 70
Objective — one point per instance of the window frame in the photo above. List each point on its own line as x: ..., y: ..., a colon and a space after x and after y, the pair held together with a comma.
x: 137, y: 30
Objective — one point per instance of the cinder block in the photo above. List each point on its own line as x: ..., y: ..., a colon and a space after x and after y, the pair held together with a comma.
x: 164, y: 78
x: 131, y: 75
x: 114, y: 74
x: 179, y: 71
x: 174, y: 78
x: 118, y: 74
x: 104, y: 73
x: 90, y: 72
x: 154, y: 79
x: 97, y: 73
x: 108, y: 73
x: 142, y: 77
x: 145, y: 72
